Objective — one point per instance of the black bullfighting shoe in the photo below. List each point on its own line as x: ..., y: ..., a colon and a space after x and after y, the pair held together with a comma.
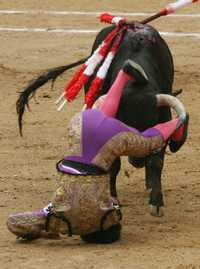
x: 136, y: 71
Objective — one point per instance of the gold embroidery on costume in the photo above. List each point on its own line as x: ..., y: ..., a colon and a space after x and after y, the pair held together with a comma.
x: 84, y: 200
x: 74, y: 135
x: 126, y: 143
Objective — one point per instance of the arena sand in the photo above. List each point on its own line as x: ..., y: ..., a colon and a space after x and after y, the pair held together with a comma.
x: 27, y: 164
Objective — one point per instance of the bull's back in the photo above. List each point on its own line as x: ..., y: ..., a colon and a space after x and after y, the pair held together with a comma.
x: 144, y: 45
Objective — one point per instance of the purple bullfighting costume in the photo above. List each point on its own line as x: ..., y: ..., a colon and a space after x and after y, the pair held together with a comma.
x: 82, y: 203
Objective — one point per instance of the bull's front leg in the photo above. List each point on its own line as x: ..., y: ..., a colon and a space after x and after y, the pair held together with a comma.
x: 153, y: 171
x: 114, y: 170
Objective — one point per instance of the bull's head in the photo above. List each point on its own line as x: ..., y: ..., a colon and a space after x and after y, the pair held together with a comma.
x: 142, y: 107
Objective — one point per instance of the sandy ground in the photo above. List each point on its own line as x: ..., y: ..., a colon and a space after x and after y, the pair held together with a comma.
x: 27, y: 164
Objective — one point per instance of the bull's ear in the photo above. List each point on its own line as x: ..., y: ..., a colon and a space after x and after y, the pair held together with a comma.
x: 136, y: 71
x: 180, y: 136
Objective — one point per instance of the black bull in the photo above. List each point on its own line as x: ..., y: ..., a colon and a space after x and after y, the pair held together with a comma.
x: 144, y: 45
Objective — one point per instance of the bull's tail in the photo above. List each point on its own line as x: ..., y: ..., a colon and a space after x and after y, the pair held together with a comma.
x: 30, y: 90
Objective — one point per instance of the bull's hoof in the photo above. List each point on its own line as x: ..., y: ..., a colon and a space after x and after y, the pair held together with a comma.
x: 156, y: 211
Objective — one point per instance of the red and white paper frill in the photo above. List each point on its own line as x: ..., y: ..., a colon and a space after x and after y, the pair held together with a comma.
x: 108, y: 18
x: 97, y: 83
x: 87, y: 69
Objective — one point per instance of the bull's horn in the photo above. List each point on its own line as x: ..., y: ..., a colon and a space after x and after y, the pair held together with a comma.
x: 134, y: 69
x: 173, y: 102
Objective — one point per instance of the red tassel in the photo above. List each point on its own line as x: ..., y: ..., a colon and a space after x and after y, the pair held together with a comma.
x: 93, y: 91
x: 98, y: 82
x: 75, y: 78
x: 72, y: 92
x: 79, y: 79
x: 104, y: 50
x: 111, y: 35
x: 107, y: 42
x: 106, y: 17
x: 117, y: 42
x: 75, y: 84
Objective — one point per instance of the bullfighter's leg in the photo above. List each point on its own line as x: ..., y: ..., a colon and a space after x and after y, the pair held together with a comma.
x: 153, y: 171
